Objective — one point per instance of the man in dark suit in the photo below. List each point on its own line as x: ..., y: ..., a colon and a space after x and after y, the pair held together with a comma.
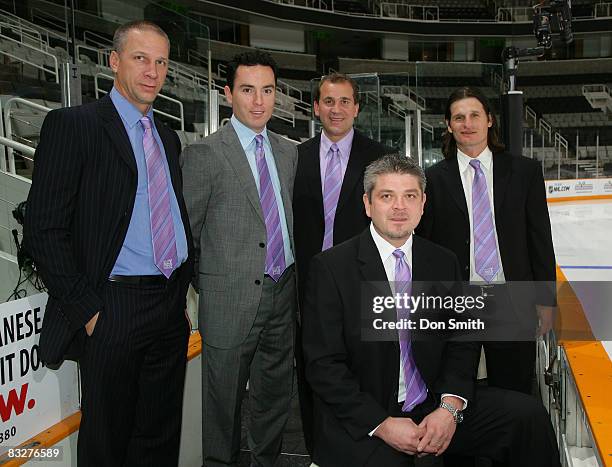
x: 380, y: 404
x: 108, y: 230
x: 238, y: 185
x: 330, y: 168
x: 489, y: 208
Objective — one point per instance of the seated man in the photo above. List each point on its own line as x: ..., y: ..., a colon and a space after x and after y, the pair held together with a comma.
x: 382, y: 404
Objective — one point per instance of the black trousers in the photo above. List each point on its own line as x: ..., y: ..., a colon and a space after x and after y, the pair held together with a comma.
x: 132, y: 377
x: 507, y: 427
x: 305, y: 395
x: 509, y: 347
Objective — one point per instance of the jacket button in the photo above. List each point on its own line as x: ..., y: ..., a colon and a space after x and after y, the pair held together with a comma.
x: 467, y: 268
x: 467, y: 242
x: 257, y: 282
x: 262, y: 245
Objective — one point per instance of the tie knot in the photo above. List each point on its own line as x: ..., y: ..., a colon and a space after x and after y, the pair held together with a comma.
x: 475, y: 163
x: 334, y: 150
x: 258, y: 141
x: 146, y: 123
x: 399, y: 254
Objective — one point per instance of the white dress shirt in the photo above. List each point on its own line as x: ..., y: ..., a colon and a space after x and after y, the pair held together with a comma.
x: 467, y: 179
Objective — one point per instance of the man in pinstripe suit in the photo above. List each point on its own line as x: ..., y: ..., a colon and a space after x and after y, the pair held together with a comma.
x: 107, y: 227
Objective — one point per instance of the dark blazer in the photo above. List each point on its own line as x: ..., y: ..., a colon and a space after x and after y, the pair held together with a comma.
x: 350, y: 217
x: 356, y: 382
x: 521, y: 220
x: 78, y: 212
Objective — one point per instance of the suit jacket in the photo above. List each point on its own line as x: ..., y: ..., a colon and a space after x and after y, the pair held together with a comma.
x: 350, y: 217
x: 356, y: 382
x: 521, y: 220
x: 78, y: 212
x: 229, y: 230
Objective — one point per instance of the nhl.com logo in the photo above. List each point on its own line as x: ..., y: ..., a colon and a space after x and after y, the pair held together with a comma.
x: 558, y: 188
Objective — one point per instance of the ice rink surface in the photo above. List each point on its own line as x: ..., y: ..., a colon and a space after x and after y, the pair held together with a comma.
x: 582, y: 236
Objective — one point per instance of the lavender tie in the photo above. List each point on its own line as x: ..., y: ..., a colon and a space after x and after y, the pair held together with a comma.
x: 275, y: 253
x: 485, y: 247
x: 331, y: 193
x: 162, y: 227
x: 416, y: 390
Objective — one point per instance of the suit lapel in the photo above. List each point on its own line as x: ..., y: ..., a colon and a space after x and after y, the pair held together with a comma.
x: 422, y: 266
x: 113, y: 125
x: 171, y: 156
x: 237, y: 158
x: 284, y: 169
x: 453, y: 179
x: 502, y: 166
x: 374, y: 277
x: 312, y: 172
x: 354, y: 170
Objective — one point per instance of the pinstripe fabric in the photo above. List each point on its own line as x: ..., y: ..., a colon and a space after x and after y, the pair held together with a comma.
x: 79, y: 208
x: 133, y: 421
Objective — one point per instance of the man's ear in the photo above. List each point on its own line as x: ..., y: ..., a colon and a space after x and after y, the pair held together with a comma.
x: 114, y: 60
x: 366, y: 204
x: 228, y: 94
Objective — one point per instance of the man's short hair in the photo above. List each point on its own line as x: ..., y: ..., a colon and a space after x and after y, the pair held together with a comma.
x: 254, y: 58
x: 337, y: 78
x: 395, y: 163
x: 449, y: 147
x: 122, y: 31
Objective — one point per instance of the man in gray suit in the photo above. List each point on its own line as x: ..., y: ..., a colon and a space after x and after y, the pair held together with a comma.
x: 238, y: 184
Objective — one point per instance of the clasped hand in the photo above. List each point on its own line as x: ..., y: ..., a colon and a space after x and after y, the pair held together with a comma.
x: 431, y: 436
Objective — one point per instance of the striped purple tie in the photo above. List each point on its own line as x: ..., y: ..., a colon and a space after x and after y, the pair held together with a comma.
x: 331, y: 193
x: 485, y: 247
x: 162, y: 227
x: 416, y: 390
x: 275, y: 254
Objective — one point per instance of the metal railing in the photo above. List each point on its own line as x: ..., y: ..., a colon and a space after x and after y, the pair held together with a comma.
x: 8, y: 127
x: 18, y: 21
x: 394, y: 109
x: 26, y: 152
x: 180, y: 118
x: 531, y: 115
x: 41, y: 50
x: 595, y: 88
x: 603, y: 10
x: 101, y: 57
x: 407, y: 11
x: 96, y: 40
x: 514, y: 14
x: 25, y: 33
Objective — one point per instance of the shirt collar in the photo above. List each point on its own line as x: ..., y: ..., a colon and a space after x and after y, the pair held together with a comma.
x: 245, y: 134
x: 485, y: 158
x: 385, y: 249
x: 127, y: 111
x: 344, y: 145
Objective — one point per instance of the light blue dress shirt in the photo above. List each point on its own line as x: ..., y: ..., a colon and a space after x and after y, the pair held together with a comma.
x: 344, y: 147
x: 247, y: 141
x: 136, y: 255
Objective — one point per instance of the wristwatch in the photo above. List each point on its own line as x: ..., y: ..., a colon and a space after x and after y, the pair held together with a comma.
x: 456, y: 413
